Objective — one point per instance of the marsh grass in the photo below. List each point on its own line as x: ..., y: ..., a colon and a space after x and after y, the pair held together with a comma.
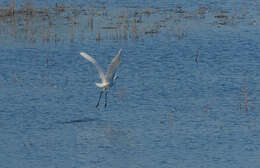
x: 63, y: 23
x: 244, y: 92
x: 196, y: 56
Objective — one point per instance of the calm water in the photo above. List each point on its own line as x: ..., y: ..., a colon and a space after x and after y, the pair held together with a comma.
x: 166, y: 109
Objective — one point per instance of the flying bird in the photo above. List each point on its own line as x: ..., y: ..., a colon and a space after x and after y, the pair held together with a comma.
x: 108, y: 79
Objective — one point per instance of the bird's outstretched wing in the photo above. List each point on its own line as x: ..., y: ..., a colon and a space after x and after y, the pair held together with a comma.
x: 92, y: 60
x: 113, y: 66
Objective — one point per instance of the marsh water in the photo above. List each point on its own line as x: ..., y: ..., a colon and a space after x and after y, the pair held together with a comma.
x: 187, y: 95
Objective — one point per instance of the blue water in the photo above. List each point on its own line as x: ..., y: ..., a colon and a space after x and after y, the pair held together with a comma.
x: 165, y: 110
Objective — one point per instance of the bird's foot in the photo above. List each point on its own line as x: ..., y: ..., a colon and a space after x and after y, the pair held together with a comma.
x: 97, y: 105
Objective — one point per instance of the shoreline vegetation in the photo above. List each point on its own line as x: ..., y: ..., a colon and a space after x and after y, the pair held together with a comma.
x: 63, y: 23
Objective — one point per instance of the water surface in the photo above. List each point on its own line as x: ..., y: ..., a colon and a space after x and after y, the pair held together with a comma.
x: 187, y: 93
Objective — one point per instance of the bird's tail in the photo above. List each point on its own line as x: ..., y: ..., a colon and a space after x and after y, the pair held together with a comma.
x: 100, y: 84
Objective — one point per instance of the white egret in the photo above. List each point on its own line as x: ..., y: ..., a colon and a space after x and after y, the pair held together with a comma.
x: 108, y: 79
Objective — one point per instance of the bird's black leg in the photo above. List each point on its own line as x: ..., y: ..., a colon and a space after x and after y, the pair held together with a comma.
x: 99, y: 98
x: 105, y: 100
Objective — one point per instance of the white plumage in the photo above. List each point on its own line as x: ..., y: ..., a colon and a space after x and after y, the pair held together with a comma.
x: 108, y: 79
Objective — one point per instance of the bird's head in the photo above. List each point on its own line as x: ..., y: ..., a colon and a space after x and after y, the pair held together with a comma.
x: 115, y: 77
